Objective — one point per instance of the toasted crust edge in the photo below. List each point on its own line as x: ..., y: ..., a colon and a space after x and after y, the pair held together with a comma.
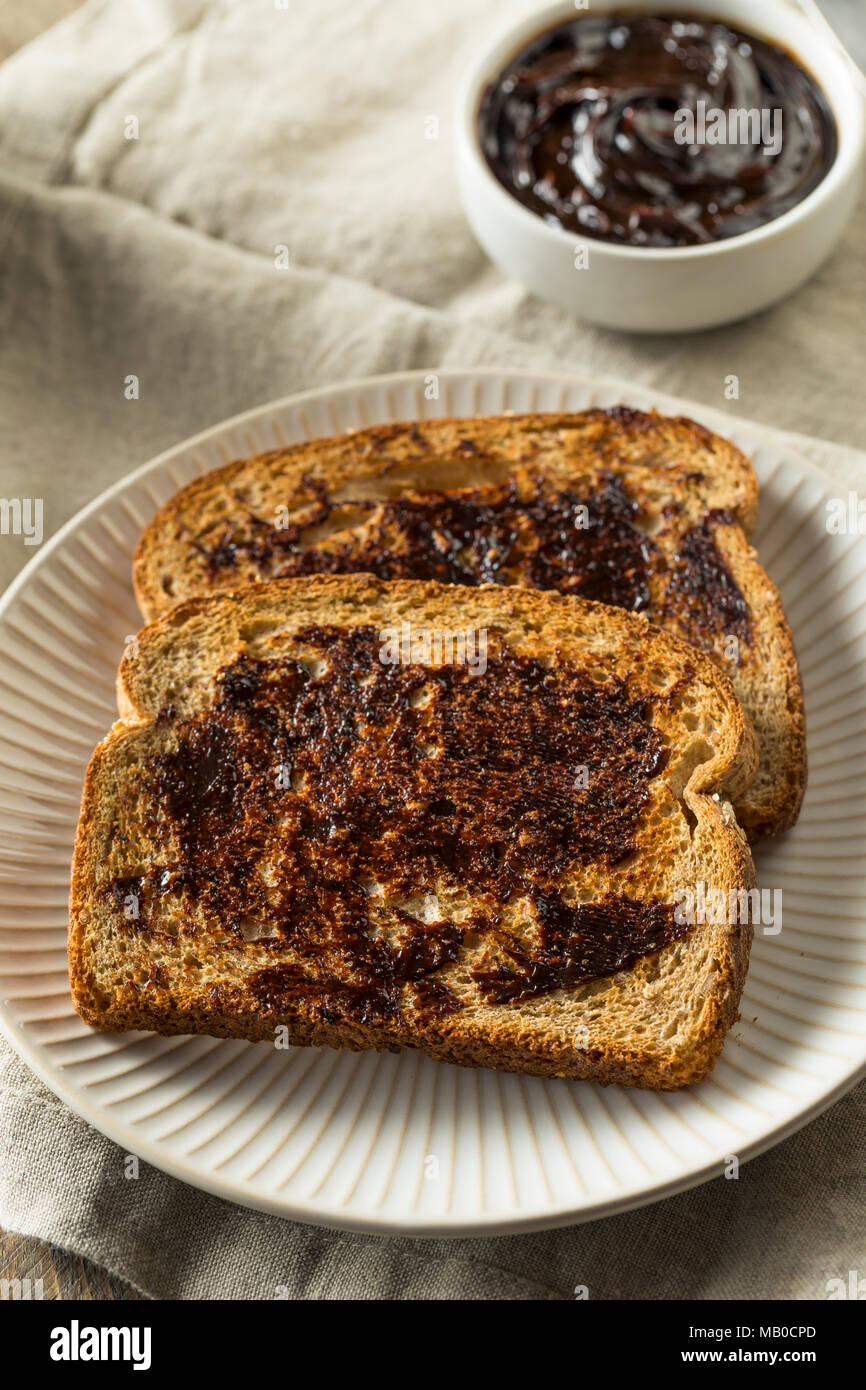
x: 765, y: 816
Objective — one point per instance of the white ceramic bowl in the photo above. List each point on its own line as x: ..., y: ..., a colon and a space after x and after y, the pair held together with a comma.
x: 672, y: 289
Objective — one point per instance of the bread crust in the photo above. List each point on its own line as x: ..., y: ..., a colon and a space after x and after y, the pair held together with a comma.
x: 519, y: 1040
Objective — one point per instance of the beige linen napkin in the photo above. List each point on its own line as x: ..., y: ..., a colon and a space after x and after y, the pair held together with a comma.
x: 260, y: 127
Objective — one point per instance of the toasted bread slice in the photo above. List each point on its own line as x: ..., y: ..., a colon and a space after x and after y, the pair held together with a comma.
x: 640, y: 510
x: 403, y: 814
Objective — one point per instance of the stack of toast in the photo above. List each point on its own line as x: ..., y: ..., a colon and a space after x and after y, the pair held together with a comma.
x: 435, y: 734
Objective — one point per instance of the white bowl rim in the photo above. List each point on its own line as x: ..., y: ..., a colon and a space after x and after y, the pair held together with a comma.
x: 851, y: 135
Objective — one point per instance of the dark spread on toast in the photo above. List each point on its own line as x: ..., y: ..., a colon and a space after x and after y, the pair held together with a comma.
x: 592, y: 546
x: 701, y: 593
x: 587, y: 545
x: 327, y: 807
x: 577, y: 943
x: 656, y: 130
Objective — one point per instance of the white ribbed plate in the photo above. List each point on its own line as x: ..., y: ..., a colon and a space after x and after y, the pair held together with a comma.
x: 348, y: 1139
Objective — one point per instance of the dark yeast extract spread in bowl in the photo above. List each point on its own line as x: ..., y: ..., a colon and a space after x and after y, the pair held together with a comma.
x: 656, y: 130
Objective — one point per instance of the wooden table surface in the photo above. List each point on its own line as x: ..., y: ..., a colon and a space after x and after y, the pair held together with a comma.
x: 68, y: 1276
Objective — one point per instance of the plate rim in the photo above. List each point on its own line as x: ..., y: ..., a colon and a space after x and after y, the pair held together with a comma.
x: 484, y: 1224
x: 443, y: 1226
